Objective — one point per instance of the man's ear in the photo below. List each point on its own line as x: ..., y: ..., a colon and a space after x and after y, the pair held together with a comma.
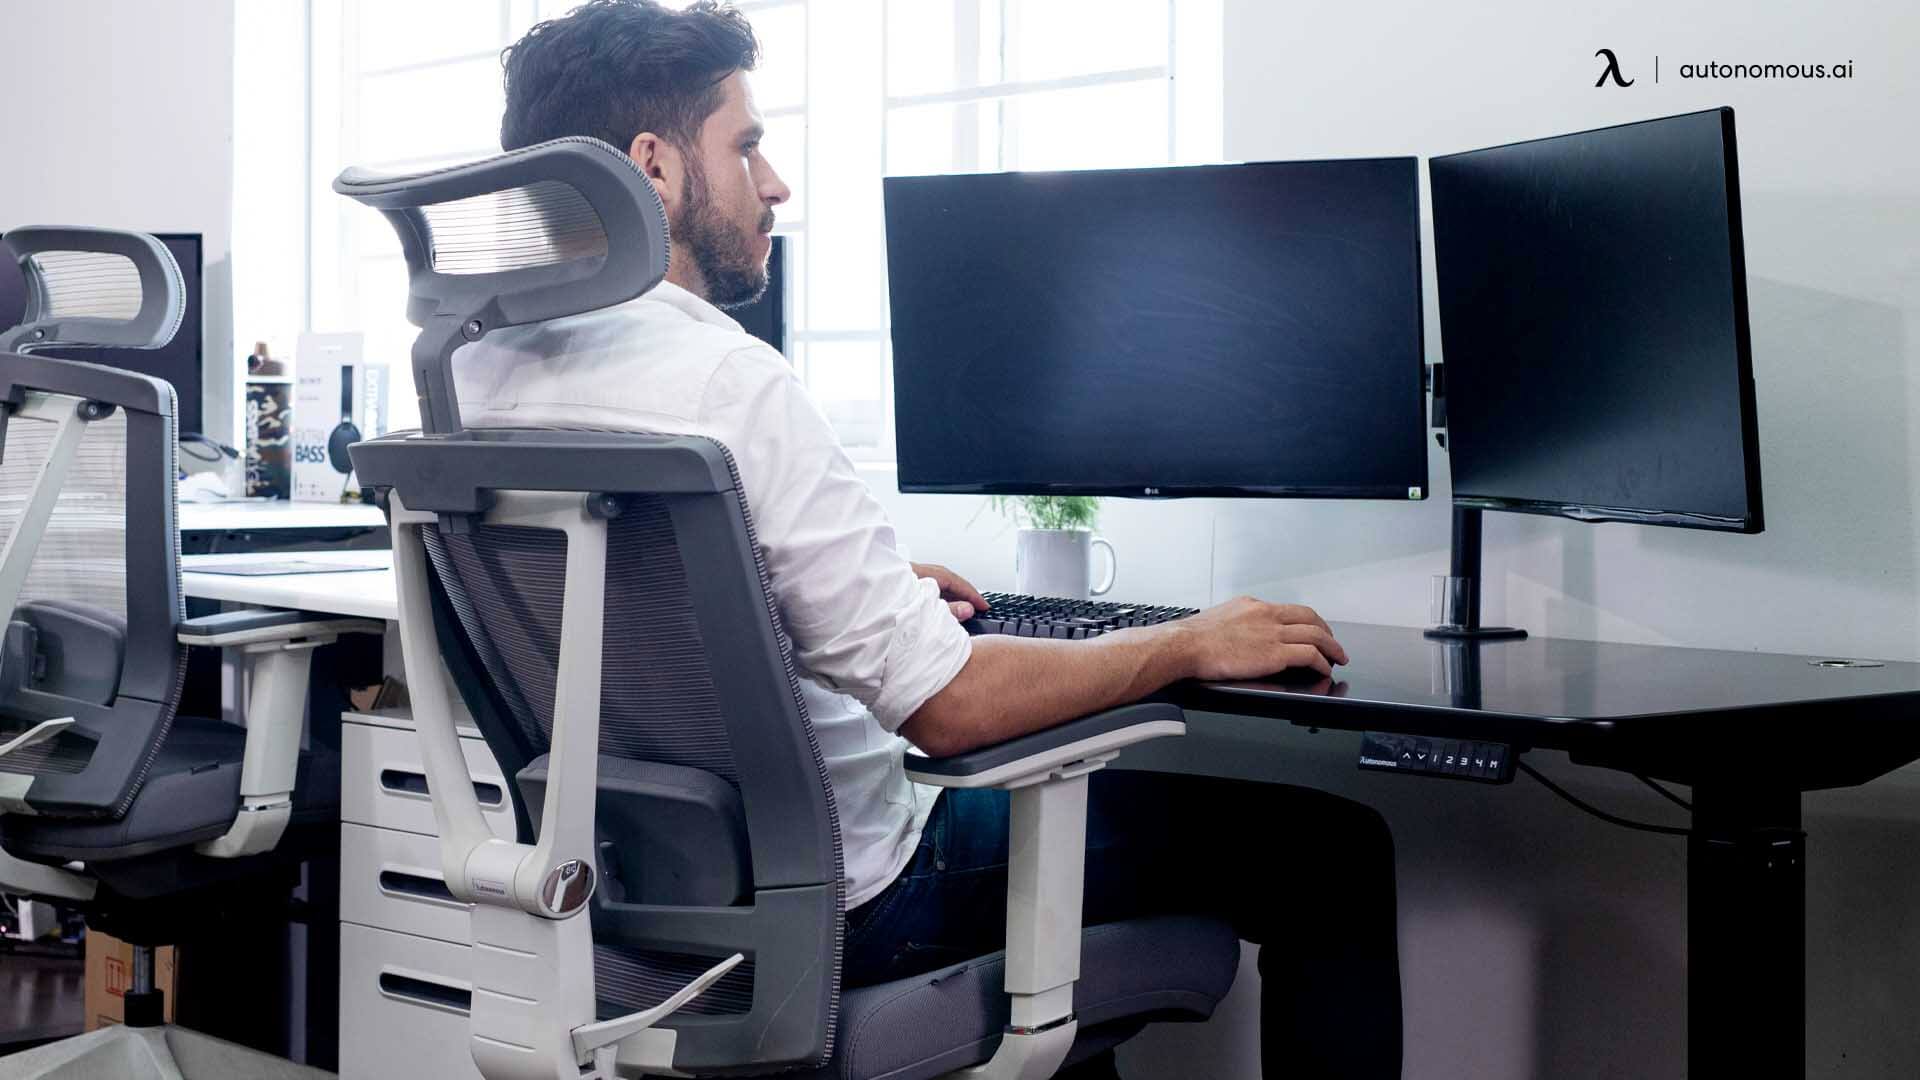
x: 660, y: 162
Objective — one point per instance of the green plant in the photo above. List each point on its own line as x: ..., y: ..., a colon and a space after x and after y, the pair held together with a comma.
x: 1048, y: 511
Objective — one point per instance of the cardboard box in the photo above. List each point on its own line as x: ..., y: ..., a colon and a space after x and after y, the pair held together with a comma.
x: 337, y: 400
x: 110, y: 975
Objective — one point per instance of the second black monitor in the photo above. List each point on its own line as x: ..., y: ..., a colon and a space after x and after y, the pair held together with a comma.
x: 1593, y: 310
x: 1208, y: 330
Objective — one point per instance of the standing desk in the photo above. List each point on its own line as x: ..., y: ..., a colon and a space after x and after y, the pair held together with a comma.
x: 1749, y: 731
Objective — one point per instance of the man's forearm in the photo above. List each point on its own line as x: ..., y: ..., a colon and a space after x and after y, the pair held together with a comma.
x: 1014, y: 686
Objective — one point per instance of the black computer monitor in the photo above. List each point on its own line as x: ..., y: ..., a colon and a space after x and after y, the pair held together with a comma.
x: 1593, y: 314
x: 178, y: 361
x: 766, y: 318
x: 1209, y: 330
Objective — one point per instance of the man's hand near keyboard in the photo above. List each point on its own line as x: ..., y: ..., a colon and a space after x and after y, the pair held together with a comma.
x: 1013, y: 685
x: 962, y: 598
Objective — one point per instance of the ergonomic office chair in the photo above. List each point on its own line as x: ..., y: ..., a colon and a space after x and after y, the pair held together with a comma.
x: 675, y: 898
x: 149, y: 822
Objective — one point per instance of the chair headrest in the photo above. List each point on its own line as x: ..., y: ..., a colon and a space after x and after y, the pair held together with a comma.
x: 102, y: 287
x: 557, y: 229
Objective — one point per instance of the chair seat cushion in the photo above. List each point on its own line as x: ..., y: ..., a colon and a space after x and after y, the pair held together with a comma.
x: 191, y: 794
x: 1163, y: 968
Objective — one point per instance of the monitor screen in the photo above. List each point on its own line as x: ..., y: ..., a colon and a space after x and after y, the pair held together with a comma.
x: 766, y: 318
x: 1205, y: 330
x: 1593, y: 313
x: 178, y: 362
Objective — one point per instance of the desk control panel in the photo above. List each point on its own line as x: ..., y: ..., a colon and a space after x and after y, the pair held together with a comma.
x: 1459, y: 759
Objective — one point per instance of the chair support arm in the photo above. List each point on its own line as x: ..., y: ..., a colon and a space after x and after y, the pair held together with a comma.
x: 279, y: 649
x: 1046, y: 775
x: 533, y: 1014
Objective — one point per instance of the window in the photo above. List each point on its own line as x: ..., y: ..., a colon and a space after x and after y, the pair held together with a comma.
x: 852, y: 90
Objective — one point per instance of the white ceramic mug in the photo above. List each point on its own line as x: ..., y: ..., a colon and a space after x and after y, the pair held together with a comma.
x: 1059, y: 562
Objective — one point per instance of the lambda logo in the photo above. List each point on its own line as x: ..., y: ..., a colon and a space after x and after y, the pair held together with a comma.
x: 1612, y: 69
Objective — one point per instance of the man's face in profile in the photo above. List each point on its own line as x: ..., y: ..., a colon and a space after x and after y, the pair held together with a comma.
x: 726, y: 204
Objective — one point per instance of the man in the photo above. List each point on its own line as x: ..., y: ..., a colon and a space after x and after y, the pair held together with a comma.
x: 877, y: 639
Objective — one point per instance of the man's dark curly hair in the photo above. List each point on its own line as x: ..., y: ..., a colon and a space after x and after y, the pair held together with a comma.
x: 612, y: 69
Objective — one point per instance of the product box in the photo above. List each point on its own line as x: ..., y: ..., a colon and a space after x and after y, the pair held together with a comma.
x: 338, y: 400
x: 110, y: 976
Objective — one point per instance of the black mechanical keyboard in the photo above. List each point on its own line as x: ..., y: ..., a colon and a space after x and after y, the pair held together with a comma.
x: 1057, y: 617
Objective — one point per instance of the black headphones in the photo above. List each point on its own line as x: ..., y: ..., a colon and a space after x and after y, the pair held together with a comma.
x: 347, y: 433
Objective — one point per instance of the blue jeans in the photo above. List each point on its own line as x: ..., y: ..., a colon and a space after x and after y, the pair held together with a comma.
x: 1308, y: 872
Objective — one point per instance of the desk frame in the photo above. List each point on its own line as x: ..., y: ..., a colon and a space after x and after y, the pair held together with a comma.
x: 1746, y: 853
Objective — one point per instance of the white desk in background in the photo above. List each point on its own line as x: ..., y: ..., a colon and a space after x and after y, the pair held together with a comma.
x: 367, y: 594
x: 280, y: 525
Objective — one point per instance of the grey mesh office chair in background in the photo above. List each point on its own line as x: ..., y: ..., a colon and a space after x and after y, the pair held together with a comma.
x: 674, y: 900
x: 151, y: 823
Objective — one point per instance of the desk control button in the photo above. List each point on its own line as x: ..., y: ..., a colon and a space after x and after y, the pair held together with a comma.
x: 1487, y: 763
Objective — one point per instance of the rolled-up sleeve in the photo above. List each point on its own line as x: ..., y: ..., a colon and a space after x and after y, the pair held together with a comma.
x: 861, y: 622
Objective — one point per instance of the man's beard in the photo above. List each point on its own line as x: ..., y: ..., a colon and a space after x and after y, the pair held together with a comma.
x: 725, y: 256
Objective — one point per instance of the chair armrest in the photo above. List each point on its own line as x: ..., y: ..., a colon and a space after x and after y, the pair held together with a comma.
x: 1046, y: 773
x: 279, y: 649
x: 1031, y: 758
x: 252, y: 626
x: 28, y: 879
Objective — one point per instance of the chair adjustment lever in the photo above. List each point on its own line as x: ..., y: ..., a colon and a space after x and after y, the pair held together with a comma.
x: 38, y: 733
x: 601, y: 1038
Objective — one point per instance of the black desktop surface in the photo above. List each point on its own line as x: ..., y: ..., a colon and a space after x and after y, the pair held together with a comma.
x: 1675, y: 712
x: 178, y: 362
x: 1749, y: 732
x: 1210, y: 330
x: 1593, y: 314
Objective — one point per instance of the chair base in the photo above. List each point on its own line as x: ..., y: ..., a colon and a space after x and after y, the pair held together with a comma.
x: 155, y: 1053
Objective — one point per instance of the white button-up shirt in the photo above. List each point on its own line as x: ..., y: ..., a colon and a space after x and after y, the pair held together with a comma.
x: 871, y: 640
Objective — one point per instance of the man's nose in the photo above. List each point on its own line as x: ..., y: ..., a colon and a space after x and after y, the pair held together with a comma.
x: 774, y: 190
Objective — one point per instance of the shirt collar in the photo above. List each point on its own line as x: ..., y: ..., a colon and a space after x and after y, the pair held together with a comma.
x: 692, y: 306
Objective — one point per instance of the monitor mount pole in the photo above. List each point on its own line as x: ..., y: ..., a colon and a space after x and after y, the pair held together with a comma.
x: 1465, y: 576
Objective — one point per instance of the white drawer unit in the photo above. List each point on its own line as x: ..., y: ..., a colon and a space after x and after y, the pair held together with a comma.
x: 392, y: 880
x: 404, y: 952
x: 403, y: 1007
x: 383, y: 781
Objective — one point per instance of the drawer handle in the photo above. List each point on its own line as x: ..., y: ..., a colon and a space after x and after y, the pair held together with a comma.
x: 404, y: 782
x: 421, y: 992
x: 426, y: 888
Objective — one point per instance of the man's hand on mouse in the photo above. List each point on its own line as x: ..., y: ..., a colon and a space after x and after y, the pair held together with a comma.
x: 1246, y: 638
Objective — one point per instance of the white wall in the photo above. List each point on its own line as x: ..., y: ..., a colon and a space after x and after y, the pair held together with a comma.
x: 119, y: 113
x: 1831, y: 194
x: 1536, y: 941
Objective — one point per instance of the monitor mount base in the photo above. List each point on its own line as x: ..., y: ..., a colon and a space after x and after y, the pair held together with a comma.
x: 1465, y: 613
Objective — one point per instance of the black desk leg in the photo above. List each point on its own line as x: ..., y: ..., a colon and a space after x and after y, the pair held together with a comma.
x: 1746, y: 934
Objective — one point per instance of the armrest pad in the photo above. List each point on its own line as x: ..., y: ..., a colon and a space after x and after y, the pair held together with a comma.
x: 228, y: 622
x: 1093, y: 735
x: 266, y: 624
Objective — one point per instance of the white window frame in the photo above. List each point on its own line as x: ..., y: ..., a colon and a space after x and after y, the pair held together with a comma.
x: 1190, y: 68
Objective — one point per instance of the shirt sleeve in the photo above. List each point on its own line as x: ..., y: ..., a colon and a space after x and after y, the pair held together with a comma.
x: 861, y: 622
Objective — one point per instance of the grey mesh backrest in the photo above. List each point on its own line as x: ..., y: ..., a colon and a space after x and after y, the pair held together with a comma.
x: 90, y: 577
x: 698, y: 689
